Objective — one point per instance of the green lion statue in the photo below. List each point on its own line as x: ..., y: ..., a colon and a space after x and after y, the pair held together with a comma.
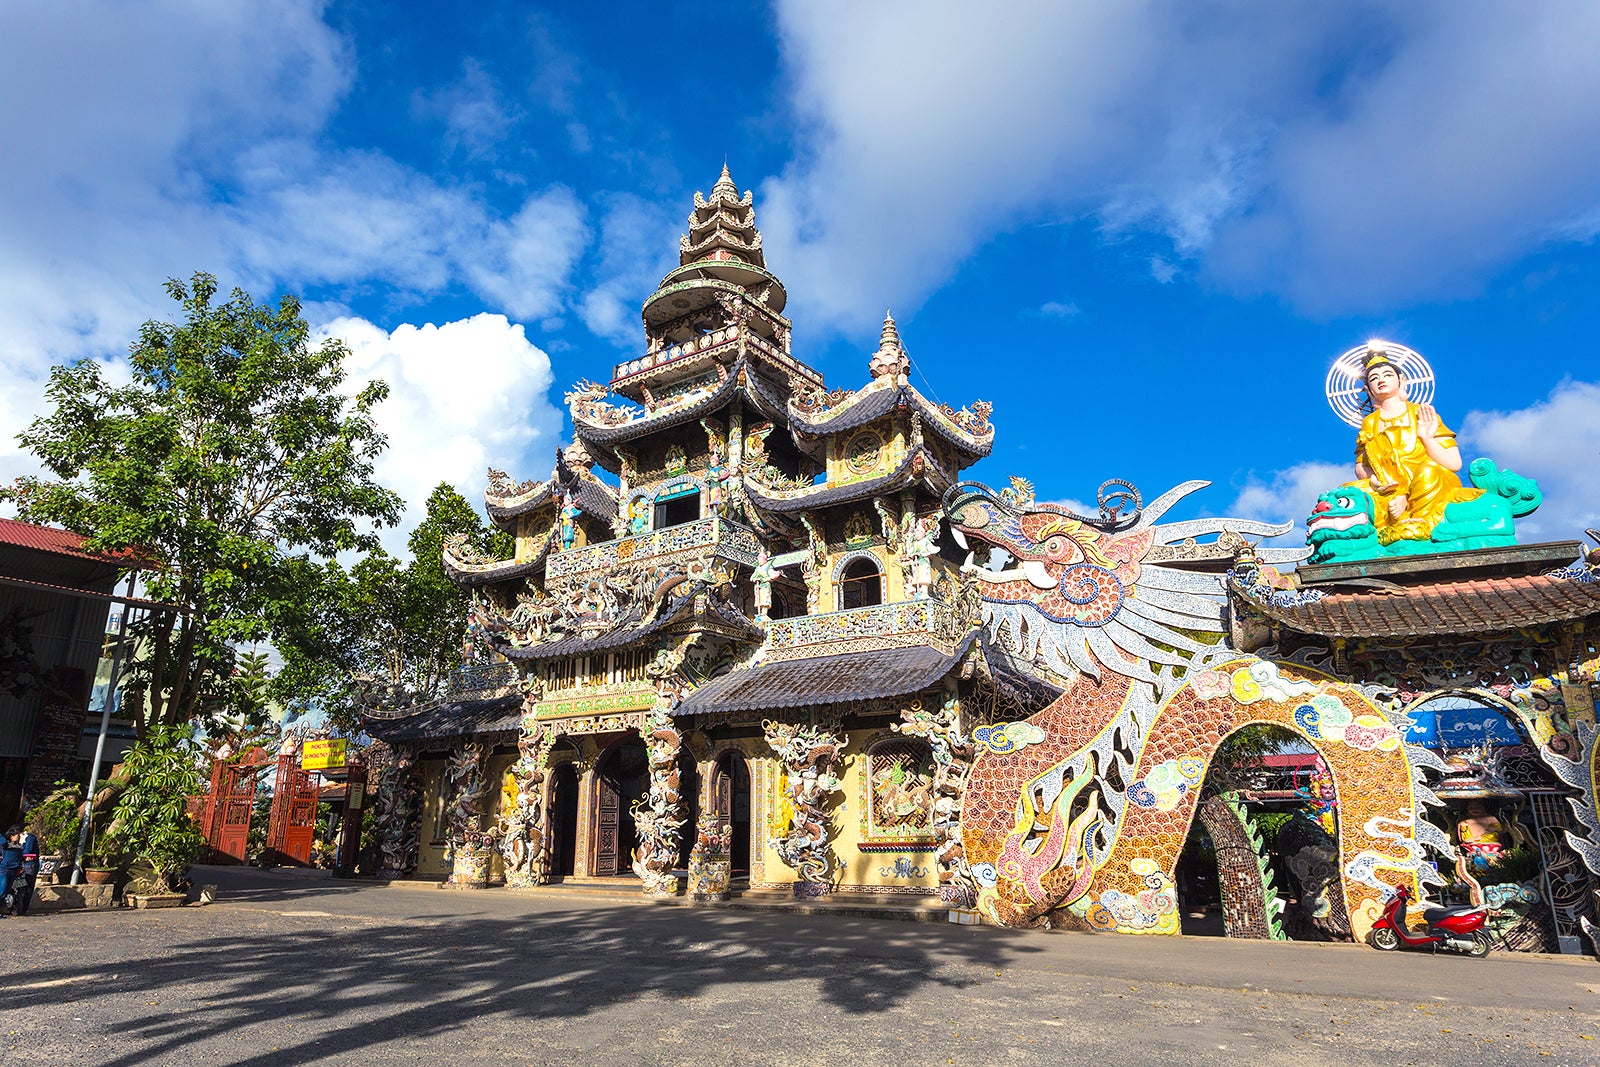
x: 1341, y: 526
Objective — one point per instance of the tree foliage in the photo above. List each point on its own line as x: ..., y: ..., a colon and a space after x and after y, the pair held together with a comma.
x: 231, y: 464
x: 387, y: 632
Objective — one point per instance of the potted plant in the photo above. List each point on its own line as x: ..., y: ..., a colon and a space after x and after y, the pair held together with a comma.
x: 151, y: 822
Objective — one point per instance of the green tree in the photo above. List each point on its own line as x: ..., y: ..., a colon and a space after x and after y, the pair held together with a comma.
x: 387, y: 632
x: 230, y: 459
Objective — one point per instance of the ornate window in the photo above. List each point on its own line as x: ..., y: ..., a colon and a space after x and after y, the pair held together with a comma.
x: 899, y: 779
x: 860, y: 584
x: 676, y: 503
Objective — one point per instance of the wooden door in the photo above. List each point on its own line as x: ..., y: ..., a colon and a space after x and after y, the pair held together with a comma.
x: 608, y: 824
x: 236, y: 794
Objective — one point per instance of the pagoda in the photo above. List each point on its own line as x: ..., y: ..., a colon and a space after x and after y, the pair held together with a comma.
x: 731, y: 640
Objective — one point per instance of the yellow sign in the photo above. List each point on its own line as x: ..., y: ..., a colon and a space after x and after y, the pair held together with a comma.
x: 322, y: 755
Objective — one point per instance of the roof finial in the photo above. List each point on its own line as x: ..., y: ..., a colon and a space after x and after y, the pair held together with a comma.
x: 890, y: 358
x: 725, y: 182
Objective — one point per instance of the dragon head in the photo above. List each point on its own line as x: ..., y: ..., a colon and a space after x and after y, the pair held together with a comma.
x: 1072, y: 567
x: 1341, y: 516
x: 1084, y: 592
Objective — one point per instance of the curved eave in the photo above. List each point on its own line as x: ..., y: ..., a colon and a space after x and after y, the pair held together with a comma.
x: 509, y: 507
x: 875, y: 401
x: 822, y: 496
x: 477, y: 574
x: 488, y: 574
x: 605, y: 437
x: 628, y: 632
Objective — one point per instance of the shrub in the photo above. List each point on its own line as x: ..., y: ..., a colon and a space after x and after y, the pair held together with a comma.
x: 151, y: 821
x: 56, y: 818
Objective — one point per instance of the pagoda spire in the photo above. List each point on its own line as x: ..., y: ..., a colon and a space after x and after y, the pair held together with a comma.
x: 890, y: 359
x: 722, y: 226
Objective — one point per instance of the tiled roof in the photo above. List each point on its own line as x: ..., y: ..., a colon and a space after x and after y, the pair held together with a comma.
x: 602, y: 438
x: 798, y: 683
x: 458, y: 718
x: 824, y: 495
x: 1471, y: 606
x: 595, y: 499
x: 881, y: 401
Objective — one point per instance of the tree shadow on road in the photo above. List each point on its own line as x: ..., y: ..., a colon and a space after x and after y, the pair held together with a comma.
x: 422, y: 977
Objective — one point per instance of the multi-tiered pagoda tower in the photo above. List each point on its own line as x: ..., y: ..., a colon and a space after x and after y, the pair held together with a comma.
x: 730, y: 640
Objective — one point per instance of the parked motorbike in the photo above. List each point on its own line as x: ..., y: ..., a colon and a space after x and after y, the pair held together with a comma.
x: 1460, y: 929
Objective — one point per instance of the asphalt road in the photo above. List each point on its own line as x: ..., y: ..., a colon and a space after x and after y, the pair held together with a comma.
x: 285, y: 970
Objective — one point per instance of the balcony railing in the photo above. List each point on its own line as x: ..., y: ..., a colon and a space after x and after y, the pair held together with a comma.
x: 731, y: 541
x: 910, y: 622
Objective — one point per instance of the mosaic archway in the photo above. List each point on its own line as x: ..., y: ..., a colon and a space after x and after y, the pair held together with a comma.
x: 1093, y: 832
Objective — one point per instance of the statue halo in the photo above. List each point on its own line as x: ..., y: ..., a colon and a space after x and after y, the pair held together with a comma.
x: 1347, y: 380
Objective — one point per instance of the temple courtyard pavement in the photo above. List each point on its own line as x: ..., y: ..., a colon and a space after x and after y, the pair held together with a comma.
x: 302, y: 969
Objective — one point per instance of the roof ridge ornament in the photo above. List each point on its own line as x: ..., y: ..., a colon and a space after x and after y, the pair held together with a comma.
x: 890, y: 360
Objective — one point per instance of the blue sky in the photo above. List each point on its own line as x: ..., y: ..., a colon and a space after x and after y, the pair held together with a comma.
x: 1141, y: 230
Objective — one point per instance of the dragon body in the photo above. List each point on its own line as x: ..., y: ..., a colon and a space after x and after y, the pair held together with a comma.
x: 1076, y: 815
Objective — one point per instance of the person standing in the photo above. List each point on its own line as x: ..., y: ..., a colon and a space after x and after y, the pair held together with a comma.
x: 22, y: 884
x: 10, y: 862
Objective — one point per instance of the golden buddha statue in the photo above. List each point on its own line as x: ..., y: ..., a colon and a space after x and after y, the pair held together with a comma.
x: 1406, y: 458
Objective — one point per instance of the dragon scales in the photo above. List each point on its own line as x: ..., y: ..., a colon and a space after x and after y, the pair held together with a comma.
x: 1076, y: 815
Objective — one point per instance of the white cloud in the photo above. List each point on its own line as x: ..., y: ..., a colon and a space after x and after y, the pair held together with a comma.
x: 1057, y: 309
x: 1289, y: 495
x: 474, y: 115
x: 1350, y: 158
x: 180, y: 136
x: 158, y: 139
x: 1556, y: 442
x: 464, y: 396
x: 638, y: 246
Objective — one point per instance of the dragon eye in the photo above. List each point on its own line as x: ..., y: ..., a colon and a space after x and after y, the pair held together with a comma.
x: 1344, y: 502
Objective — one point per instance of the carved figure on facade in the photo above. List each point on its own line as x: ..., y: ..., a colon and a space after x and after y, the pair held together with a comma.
x: 586, y: 400
x: 939, y: 726
x: 761, y: 577
x: 921, y: 545
x: 809, y: 755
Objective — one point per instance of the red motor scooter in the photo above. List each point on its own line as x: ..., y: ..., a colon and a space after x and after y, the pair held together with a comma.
x: 1460, y: 929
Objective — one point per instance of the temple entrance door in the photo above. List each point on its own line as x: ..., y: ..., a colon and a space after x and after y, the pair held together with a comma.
x: 689, y: 799
x: 731, y: 794
x: 564, y: 822
x: 622, y: 778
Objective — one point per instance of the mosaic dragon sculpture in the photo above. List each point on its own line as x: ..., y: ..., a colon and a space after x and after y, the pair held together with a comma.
x: 1076, y: 816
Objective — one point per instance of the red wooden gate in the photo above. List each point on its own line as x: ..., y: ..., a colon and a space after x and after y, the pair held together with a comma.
x: 294, y: 813
x: 227, y: 807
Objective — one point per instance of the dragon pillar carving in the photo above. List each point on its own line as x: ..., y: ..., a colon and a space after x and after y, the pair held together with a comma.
x: 468, y: 786
x: 399, y: 813
x: 520, y: 828
x: 952, y: 760
x: 809, y: 755
x: 658, y: 816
